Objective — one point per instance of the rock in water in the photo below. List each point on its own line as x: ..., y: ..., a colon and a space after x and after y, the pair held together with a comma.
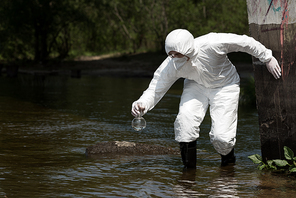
x: 128, y: 148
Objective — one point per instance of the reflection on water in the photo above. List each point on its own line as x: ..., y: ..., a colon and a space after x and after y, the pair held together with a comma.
x: 48, y: 121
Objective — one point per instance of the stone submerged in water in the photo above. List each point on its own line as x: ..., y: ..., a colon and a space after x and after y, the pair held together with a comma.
x: 128, y: 148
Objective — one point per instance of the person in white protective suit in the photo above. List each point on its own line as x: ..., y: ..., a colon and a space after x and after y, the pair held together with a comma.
x: 210, y: 80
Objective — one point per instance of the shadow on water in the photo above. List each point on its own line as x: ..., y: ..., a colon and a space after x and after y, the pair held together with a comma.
x: 48, y: 121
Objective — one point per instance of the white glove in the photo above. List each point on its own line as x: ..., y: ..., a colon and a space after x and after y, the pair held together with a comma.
x: 274, y: 68
x: 138, y: 109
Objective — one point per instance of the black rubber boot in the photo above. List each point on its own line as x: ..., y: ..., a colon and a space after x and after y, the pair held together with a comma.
x: 188, y: 154
x: 228, y: 159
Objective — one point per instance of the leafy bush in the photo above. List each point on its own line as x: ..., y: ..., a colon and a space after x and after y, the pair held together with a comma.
x: 277, y: 164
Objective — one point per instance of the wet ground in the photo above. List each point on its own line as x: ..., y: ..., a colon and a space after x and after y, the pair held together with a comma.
x: 127, y: 148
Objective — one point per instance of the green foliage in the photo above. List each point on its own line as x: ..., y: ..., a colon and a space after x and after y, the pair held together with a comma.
x: 37, y: 28
x: 257, y: 159
x: 46, y: 29
x: 277, y: 164
x: 247, y: 93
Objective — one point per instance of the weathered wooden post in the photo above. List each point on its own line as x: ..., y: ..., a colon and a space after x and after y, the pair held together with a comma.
x: 273, y: 23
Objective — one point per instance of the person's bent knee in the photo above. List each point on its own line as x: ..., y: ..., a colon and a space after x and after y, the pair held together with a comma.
x: 223, y: 146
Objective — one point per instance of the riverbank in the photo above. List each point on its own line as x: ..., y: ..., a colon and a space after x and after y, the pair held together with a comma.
x: 133, y: 65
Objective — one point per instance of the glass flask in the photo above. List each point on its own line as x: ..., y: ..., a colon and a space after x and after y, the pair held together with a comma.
x: 138, y: 123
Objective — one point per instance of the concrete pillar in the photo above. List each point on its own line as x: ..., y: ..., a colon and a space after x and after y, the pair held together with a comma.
x: 273, y: 23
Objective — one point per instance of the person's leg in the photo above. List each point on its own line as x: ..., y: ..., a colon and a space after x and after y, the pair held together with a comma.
x: 188, y: 154
x: 228, y: 159
x: 223, y: 110
x: 192, y: 109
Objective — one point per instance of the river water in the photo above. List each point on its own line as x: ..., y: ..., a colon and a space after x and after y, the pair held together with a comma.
x: 48, y: 121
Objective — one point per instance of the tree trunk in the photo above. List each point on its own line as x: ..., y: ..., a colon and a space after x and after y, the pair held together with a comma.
x: 273, y: 23
x: 41, y: 49
x: 36, y: 44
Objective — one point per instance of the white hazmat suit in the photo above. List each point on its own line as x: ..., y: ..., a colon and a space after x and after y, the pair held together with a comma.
x: 210, y: 80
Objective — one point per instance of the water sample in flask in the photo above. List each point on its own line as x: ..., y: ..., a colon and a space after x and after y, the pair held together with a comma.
x: 138, y: 123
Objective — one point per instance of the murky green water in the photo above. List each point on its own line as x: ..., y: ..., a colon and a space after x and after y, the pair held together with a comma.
x: 46, y: 123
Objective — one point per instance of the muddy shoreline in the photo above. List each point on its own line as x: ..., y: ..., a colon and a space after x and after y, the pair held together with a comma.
x: 134, y: 65
x: 127, y: 148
